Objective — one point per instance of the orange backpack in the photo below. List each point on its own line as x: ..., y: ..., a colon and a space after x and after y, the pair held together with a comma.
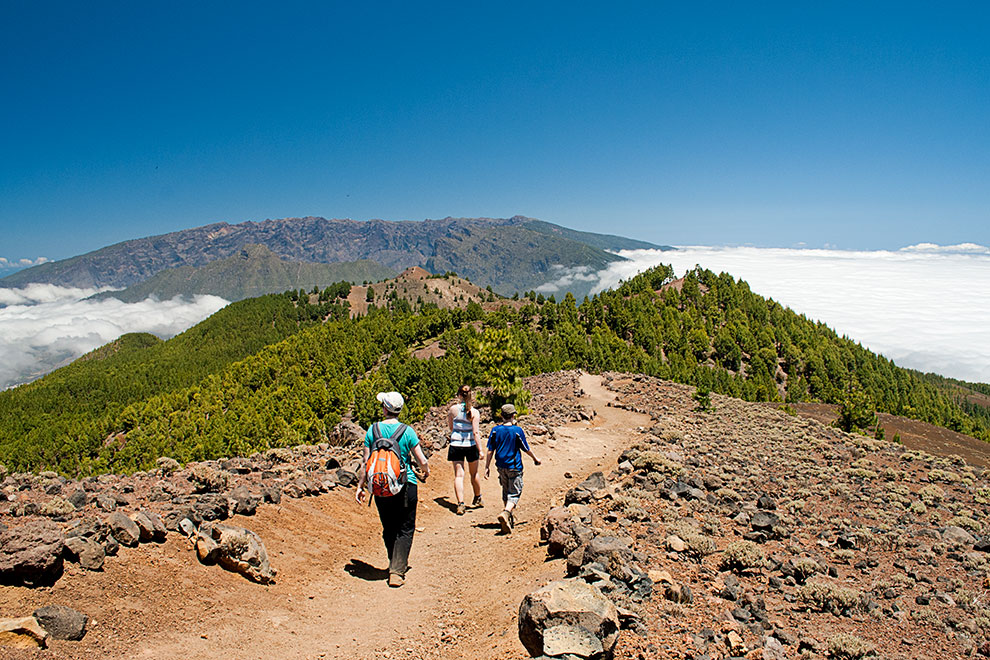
x: 386, y: 474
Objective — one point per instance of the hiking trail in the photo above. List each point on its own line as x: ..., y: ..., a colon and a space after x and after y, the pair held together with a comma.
x: 330, y: 599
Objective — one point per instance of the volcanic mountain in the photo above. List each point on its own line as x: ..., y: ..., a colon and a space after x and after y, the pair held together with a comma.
x: 510, y: 255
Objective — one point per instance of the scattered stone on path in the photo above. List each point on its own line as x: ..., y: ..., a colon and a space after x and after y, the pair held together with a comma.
x: 62, y: 622
x: 236, y: 549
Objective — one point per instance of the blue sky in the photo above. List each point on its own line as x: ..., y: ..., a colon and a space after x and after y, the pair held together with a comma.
x: 853, y: 125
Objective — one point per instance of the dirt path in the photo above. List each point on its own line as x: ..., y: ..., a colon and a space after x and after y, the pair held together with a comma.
x: 331, y: 601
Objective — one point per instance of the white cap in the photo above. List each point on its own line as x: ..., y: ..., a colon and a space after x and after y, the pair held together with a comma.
x: 392, y: 401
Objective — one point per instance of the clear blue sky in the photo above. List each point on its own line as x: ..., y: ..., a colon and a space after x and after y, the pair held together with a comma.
x: 859, y: 125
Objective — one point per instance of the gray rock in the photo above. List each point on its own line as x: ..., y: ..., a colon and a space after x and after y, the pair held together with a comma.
x: 272, y: 494
x: 145, y: 526
x: 611, y: 552
x: 570, y: 639
x: 958, y: 536
x: 564, y: 530
x: 124, y: 529
x: 242, y: 501
x: 211, y: 506
x: 106, y: 503
x: 31, y: 553
x: 763, y: 521
x: 151, y: 526
x: 78, y: 498
x: 568, y: 603
x: 62, y: 622
x: 595, y: 481
x: 88, y: 553
x: 346, y: 478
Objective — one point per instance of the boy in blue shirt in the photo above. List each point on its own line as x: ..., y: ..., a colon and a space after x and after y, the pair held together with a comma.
x: 506, y: 442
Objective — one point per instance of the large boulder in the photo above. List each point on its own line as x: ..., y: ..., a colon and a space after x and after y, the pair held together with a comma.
x: 62, y: 622
x: 568, y: 617
x: 31, y: 553
x: 236, y: 549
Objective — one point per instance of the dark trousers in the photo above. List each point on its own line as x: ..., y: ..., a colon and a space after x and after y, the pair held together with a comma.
x: 398, y: 516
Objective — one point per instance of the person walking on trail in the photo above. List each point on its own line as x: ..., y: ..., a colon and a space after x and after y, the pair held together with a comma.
x: 506, y: 443
x: 462, y: 420
x: 397, y: 498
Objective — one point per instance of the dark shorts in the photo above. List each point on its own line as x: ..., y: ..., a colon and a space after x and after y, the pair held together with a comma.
x: 456, y: 454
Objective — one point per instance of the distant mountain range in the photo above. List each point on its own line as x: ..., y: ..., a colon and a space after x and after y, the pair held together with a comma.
x: 254, y: 271
x: 508, y: 254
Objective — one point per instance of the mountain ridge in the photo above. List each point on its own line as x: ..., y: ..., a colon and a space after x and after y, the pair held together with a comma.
x: 396, y: 245
x: 254, y: 271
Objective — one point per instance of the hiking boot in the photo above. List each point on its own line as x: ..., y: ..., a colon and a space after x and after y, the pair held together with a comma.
x: 395, y: 580
x: 476, y: 502
x: 503, y: 520
x: 461, y: 508
x: 512, y: 520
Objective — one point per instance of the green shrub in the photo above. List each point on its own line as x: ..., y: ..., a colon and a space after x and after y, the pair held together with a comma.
x: 825, y: 596
x: 742, y: 556
x: 848, y: 647
x: 931, y: 495
x: 654, y: 461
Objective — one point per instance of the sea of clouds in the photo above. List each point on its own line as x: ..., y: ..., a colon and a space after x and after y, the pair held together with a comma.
x: 926, y: 307
x: 43, y: 327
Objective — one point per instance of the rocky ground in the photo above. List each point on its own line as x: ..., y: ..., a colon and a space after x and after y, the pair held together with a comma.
x: 740, y: 531
x: 771, y: 535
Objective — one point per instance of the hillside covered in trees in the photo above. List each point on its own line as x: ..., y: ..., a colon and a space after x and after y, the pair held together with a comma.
x: 284, y: 369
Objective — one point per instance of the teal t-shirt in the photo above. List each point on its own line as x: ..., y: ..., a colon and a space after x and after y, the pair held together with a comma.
x: 408, y: 440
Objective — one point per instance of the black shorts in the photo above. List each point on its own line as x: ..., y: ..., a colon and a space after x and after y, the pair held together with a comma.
x: 469, y: 454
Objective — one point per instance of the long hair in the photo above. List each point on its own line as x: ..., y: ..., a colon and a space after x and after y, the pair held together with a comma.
x: 464, y: 391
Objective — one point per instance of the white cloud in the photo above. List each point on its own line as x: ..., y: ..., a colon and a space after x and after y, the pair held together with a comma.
x: 563, y: 278
x: 21, y: 263
x: 926, y: 307
x: 961, y: 248
x: 44, y: 326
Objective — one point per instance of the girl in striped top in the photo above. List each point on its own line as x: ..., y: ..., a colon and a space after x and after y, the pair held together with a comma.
x: 463, y: 419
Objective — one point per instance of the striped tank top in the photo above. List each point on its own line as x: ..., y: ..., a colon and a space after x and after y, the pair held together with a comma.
x: 463, y: 433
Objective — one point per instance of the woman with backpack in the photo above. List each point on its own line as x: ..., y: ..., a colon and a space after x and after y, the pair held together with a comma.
x: 389, y: 447
x: 463, y: 420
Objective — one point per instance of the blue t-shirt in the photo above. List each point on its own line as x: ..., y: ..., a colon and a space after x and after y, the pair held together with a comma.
x: 408, y: 440
x: 508, y: 442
